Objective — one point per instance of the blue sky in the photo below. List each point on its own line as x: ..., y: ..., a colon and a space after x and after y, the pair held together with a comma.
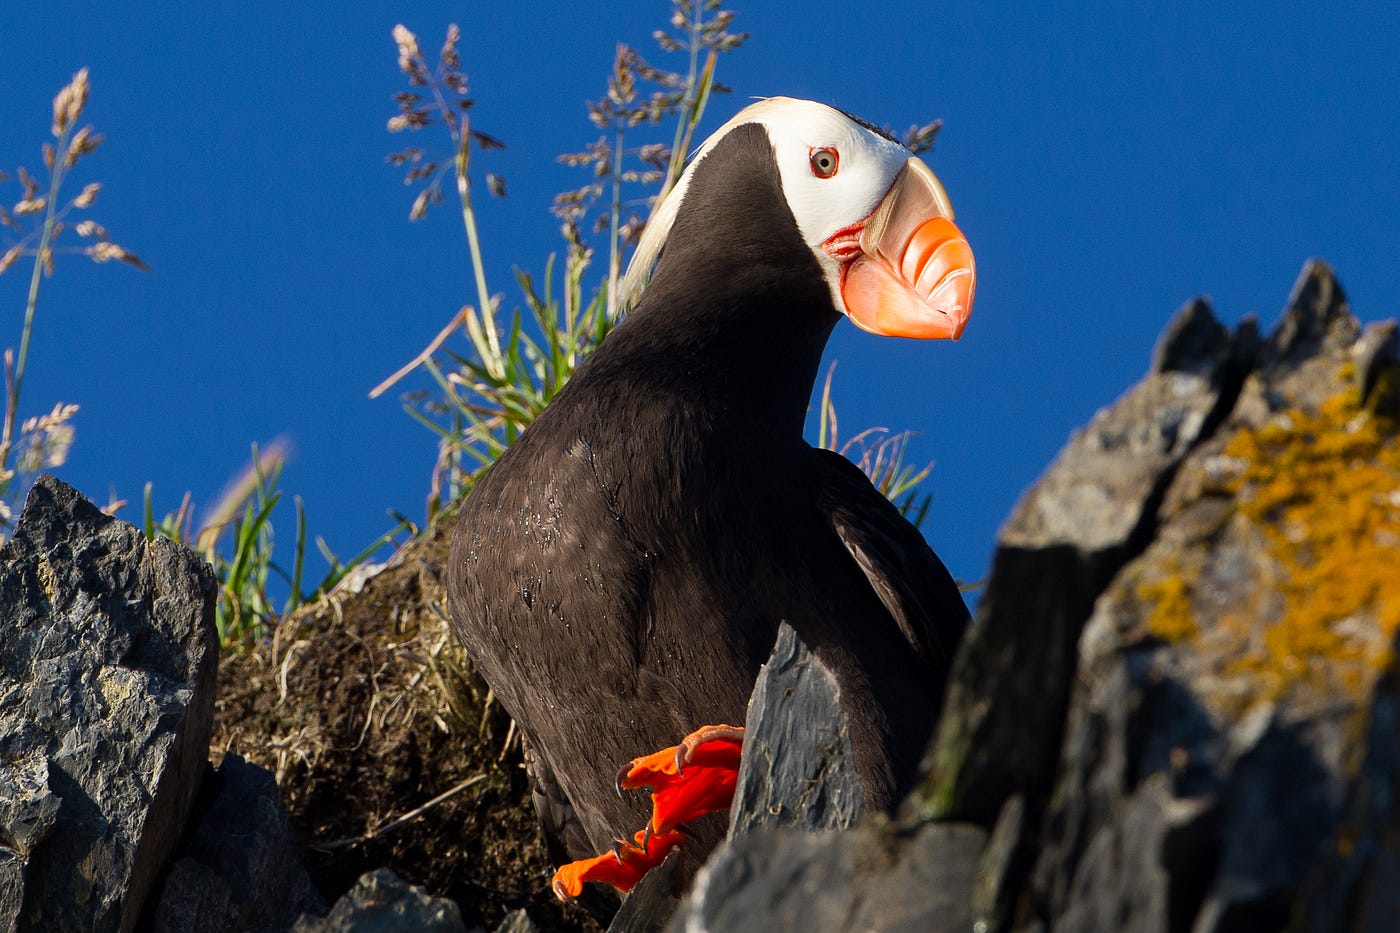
x: 1108, y: 162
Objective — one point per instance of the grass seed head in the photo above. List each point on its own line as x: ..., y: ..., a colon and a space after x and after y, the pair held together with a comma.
x: 88, y: 195
x: 68, y: 104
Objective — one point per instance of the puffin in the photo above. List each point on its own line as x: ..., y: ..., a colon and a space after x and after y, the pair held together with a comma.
x: 619, y: 575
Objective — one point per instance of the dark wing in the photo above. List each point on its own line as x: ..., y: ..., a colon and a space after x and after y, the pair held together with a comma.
x: 912, y: 583
x: 563, y: 833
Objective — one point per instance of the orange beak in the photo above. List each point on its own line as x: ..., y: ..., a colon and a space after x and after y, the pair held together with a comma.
x: 913, y: 274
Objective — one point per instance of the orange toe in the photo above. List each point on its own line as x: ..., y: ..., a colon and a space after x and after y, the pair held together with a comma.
x: 622, y: 868
x: 688, y: 780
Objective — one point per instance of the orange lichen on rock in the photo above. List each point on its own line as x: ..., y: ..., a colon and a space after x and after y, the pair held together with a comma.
x: 1324, y: 492
x: 1170, y: 598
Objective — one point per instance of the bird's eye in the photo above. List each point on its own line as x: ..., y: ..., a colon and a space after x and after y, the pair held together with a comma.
x: 825, y: 162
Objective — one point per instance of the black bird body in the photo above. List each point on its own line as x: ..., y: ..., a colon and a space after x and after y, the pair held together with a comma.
x: 619, y: 574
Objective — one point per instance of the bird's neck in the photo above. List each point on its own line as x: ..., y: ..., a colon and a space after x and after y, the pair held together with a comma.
x: 738, y: 310
x: 746, y: 342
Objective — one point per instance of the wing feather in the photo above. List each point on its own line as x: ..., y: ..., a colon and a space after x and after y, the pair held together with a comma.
x: 911, y: 582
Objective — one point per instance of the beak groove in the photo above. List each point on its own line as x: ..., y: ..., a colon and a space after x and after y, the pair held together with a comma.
x: 915, y: 275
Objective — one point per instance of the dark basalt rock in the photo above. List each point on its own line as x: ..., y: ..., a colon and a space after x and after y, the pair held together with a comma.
x: 652, y: 901
x: 798, y: 769
x: 797, y: 772
x: 382, y: 902
x: 106, y: 695
x: 237, y: 867
x: 791, y: 860
x: 872, y: 878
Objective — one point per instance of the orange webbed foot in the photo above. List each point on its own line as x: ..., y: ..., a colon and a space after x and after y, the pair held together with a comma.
x: 688, y: 780
x: 622, y: 868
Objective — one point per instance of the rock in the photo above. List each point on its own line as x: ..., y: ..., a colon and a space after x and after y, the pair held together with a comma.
x: 1230, y: 756
x: 517, y: 921
x: 797, y: 769
x: 1091, y: 511
x: 1356, y: 883
x: 652, y: 901
x: 382, y: 902
x: 237, y: 867
x: 791, y: 861
x: 871, y: 878
x: 106, y: 694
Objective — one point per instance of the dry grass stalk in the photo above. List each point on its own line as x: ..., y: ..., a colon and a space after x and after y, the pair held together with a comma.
x: 34, y: 224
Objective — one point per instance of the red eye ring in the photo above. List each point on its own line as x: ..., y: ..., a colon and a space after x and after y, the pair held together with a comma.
x: 824, y: 162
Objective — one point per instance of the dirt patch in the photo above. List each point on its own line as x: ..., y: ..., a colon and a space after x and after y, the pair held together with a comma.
x: 367, y: 711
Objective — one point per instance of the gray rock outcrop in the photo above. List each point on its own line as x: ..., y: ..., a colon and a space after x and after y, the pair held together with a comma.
x: 1236, y: 685
x: 237, y: 867
x: 106, y: 695
x: 1083, y: 519
x: 792, y: 860
x: 798, y: 768
x: 382, y: 902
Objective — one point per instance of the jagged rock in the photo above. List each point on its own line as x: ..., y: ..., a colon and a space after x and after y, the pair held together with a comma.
x: 652, y: 901
x: 791, y: 861
x: 798, y: 769
x: 1237, y: 694
x: 871, y: 878
x: 237, y: 868
x: 382, y: 902
x: 517, y: 921
x: 107, y: 676
x: 1084, y: 518
x: 1356, y: 883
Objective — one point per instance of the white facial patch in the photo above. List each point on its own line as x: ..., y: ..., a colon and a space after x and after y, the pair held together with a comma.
x: 868, y: 165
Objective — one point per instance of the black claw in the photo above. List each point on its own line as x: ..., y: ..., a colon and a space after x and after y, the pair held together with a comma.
x: 621, y: 774
x: 646, y: 837
x: 682, y: 756
x: 617, y: 849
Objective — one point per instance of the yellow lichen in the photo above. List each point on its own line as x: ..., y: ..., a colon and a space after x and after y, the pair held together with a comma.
x: 1169, y: 596
x: 1324, y: 492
